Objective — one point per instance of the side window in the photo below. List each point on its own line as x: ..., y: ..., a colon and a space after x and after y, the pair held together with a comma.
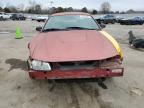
x: 137, y: 18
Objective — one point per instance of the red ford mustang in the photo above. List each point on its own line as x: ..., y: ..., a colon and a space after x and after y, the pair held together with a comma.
x: 73, y: 45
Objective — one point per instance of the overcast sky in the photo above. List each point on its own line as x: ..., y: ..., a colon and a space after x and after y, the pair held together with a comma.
x: 121, y: 5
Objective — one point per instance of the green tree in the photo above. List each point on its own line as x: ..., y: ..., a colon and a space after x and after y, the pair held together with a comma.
x: 70, y: 9
x: 1, y: 9
x: 59, y: 9
x: 38, y: 9
x: 84, y: 10
x: 7, y: 10
x: 130, y: 11
x: 52, y: 10
x: 117, y: 12
x: 31, y: 8
x: 13, y: 9
x: 94, y: 11
x: 105, y: 7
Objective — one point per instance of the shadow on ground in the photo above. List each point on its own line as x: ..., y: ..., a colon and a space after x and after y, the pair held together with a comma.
x: 16, y: 64
x: 137, y: 49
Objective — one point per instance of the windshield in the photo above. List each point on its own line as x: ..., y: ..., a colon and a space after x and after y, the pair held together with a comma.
x: 70, y: 22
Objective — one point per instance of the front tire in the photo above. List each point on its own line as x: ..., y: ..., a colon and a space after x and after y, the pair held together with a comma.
x: 1, y: 18
x: 113, y: 22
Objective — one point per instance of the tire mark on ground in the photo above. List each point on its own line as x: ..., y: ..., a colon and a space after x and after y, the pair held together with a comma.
x: 94, y: 94
x: 75, y: 102
x: 88, y: 89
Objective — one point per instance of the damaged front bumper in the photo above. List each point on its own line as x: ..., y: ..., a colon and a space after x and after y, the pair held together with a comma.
x: 99, y: 72
x: 72, y: 74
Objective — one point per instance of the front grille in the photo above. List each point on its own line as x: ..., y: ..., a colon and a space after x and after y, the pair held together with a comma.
x: 77, y: 65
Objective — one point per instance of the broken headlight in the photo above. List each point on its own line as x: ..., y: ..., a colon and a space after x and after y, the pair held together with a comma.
x: 39, y: 65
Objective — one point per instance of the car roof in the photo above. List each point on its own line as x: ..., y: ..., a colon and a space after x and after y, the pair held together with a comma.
x: 70, y: 13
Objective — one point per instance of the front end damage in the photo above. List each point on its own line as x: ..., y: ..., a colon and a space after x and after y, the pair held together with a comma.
x: 111, y: 67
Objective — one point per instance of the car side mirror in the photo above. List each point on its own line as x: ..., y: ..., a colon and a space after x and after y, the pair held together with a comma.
x: 102, y: 26
x: 38, y: 28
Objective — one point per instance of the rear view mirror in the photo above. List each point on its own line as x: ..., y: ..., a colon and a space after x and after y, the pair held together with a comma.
x: 38, y: 28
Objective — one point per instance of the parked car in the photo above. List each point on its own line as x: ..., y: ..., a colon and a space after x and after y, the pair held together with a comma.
x: 118, y: 19
x: 4, y: 16
x: 108, y: 19
x: 41, y: 18
x: 132, y: 21
x: 72, y: 45
x: 143, y: 19
x: 34, y: 18
x: 18, y: 17
x: 98, y: 20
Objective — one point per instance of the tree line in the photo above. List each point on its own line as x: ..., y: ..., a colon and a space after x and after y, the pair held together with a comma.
x: 38, y: 10
x: 35, y: 8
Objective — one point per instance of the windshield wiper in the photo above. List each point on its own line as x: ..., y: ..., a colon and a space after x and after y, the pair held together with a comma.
x: 52, y: 29
x: 79, y: 28
x: 68, y: 28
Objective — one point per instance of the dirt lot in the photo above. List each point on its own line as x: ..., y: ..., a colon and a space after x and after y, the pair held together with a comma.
x: 18, y: 91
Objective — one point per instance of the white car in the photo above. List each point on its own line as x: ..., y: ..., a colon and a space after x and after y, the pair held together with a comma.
x: 41, y: 18
x: 4, y: 16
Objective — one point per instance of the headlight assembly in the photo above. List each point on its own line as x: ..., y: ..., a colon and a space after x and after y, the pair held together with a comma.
x: 39, y: 65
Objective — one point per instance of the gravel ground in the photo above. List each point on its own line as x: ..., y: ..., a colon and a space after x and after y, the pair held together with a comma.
x: 17, y: 90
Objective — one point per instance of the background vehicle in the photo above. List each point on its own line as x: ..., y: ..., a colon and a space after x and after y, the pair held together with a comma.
x: 72, y: 45
x: 4, y: 16
x: 34, y: 17
x: 108, y: 19
x: 132, y: 21
x: 18, y: 17
x: 142, y: 19
x: 118, y: 19
x: 41, y: 18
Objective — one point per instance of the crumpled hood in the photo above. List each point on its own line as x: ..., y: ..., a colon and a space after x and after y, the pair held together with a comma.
x: 73, y: 45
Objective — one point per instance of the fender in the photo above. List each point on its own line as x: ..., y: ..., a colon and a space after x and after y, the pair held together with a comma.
x: 114, y: 42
